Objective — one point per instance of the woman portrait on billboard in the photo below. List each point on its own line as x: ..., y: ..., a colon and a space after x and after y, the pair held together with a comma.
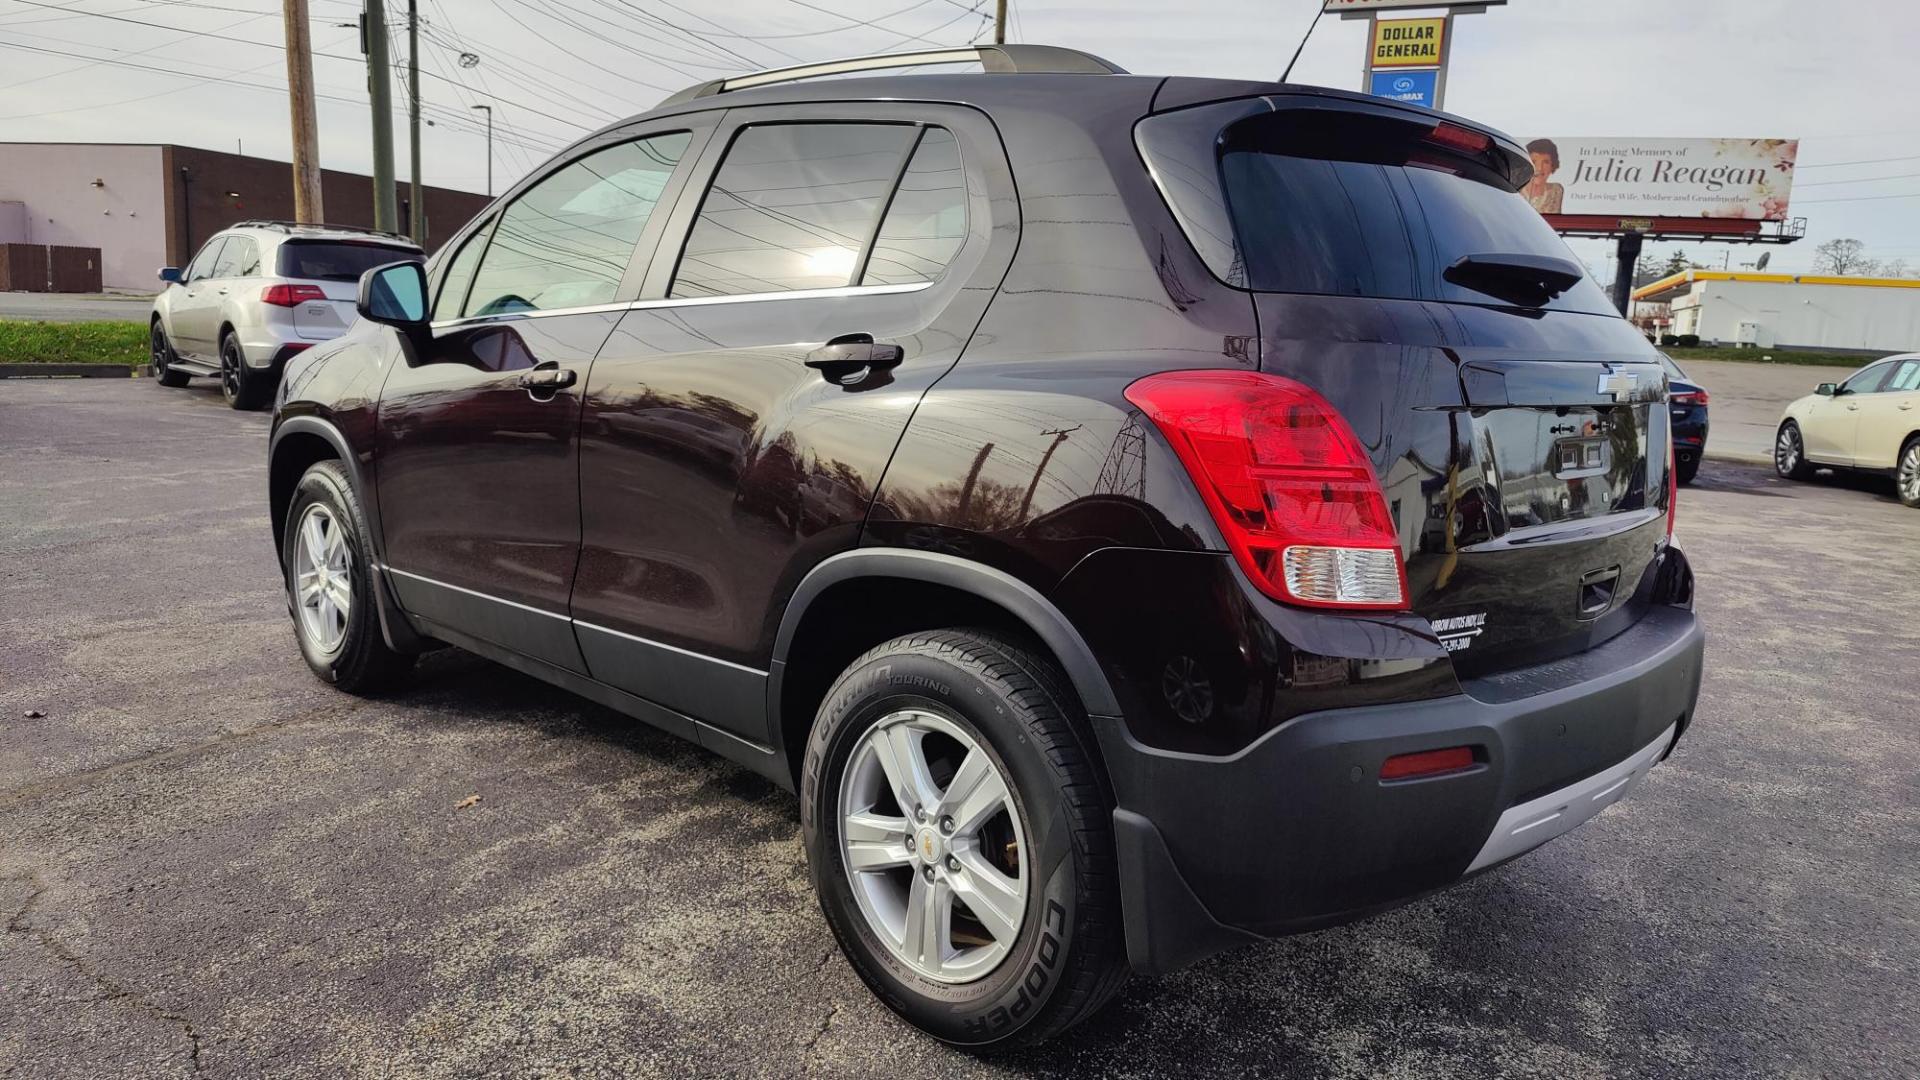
x: 1546, y: 198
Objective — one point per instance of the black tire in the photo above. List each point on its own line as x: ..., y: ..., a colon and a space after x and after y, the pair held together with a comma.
x: 160, y: 356
x: 1790, y: 453
x: 1069, y: 955
x: 244, y: 388
x: 1686, y: 468
x: 362, y: 662
x: 1906, y: 474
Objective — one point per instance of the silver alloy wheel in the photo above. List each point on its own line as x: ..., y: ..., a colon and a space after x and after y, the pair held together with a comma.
x: 1909, y: 476
x: 1786, y: 450
x: 927, y: 862
x: 322, y: 579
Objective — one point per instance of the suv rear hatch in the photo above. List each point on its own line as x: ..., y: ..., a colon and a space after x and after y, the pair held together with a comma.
x: 335, y: 267
x: 1512, y: 417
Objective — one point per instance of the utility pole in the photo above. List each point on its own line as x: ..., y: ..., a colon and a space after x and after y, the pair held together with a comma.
x: 306, y: 126
x: 1000, y: 22
x: 488, y: 109
x: 1059, y: 436
x: 417, y: 204
x: 379, y: 91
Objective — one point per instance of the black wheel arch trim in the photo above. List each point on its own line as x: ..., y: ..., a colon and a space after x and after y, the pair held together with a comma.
x: 395, y: 627
x: 1017, y: 597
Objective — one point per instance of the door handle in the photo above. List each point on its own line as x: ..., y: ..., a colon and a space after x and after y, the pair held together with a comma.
x: 1904, y: 408
x: 851, y: 354
x: 548, y: 380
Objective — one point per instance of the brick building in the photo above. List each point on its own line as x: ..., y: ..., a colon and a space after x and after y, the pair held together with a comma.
x: 147, y: 205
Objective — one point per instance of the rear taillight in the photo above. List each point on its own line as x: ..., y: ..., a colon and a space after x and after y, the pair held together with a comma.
x: 1690, y: 397
x: 1291, y: 488
x: 290, y: 295
x: 1455, y: 137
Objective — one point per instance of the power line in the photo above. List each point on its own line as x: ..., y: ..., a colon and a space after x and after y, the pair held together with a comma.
x: 200, y: 79
x: 1869, y: 161
x: 1857, y: 198
x: 1861, y: 180
x: 355, y: 60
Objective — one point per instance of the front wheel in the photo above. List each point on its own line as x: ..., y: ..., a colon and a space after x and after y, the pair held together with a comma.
x: 1790, y: 454
x: 330, y: 585
x: 1906, y: 478
x: 961, y: 841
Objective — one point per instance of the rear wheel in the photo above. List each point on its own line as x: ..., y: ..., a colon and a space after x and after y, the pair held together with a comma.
x: 330, y: 585
x: 1790, y: 453
x: 961, y: 842
x: 243, y: 387
x: 160, y: 356
x: 1906, y: 477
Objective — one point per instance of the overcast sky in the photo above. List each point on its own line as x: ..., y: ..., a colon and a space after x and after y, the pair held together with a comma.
x: 1837, y: 76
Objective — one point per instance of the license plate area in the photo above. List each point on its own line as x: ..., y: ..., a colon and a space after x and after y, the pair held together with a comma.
x: 1574, y: 458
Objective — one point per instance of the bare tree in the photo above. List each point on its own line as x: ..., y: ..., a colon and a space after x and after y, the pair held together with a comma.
x: 1842, y: 257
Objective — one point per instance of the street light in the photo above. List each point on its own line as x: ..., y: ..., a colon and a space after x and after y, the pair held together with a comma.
x: 488, y: 109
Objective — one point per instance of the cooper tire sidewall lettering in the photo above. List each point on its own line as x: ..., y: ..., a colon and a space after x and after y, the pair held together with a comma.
x: 973, y: 1013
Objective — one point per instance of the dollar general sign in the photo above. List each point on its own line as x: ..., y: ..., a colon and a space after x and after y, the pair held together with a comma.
x: 1407, y: 42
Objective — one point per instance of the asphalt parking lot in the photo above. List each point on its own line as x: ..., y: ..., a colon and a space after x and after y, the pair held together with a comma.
x: 212, y: 865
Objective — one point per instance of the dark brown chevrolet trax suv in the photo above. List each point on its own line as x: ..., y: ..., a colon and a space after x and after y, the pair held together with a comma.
x: 1137, y: 515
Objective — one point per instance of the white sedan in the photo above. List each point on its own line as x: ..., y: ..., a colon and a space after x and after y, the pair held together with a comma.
x: 1870, y: 423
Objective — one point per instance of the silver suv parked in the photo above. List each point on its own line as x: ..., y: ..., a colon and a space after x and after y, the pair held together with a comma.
x: 256, y: 294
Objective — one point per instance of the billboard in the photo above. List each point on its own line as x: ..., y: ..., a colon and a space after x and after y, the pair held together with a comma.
x: 1407, y: 42
x: 1741, y: 179
x: 1361, y: 7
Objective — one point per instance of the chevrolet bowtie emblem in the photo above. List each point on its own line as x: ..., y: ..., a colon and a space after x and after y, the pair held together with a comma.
x: 1616, y: 383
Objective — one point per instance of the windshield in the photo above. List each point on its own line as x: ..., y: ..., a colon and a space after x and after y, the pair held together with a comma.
x: 337, y: 260
x: 1351, y: 206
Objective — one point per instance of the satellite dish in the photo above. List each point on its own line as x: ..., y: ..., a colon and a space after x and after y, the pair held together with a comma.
x: 1761, y: 262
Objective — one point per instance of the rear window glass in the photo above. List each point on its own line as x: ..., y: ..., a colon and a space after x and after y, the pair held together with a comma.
x: 332, y: 260
x: 791, y: 208
x: 1343, y: 206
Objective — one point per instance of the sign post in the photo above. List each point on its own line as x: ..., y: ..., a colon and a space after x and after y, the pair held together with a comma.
x: 1407, y: 58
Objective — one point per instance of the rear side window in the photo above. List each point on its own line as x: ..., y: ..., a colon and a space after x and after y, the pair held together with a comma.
x: 927, y: 220
x: 1905, y: 378
x: 792, y: 207
x: 567, y: 241
x: 336, y: 260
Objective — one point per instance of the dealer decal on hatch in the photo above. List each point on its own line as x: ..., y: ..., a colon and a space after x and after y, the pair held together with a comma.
x: 1457, y: 633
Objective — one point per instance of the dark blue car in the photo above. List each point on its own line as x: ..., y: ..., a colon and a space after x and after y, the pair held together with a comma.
x: 1687, y: 403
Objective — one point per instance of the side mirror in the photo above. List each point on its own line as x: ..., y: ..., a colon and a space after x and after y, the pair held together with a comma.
x: 395, y: 294
x: 1827, y: 389
x: 171, y: 275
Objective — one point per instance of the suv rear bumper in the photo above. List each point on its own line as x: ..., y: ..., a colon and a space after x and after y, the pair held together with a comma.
x: 1296, y: 832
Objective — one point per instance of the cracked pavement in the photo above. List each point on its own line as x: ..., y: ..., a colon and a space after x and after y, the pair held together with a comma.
x: 213, y: 865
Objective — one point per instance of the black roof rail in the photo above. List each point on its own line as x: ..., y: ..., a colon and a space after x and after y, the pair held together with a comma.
x: 289, y: 226
x: 997, y: 59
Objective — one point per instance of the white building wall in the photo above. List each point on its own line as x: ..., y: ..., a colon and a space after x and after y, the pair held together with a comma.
x: 1808, y: 315
x: 125, y: 217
